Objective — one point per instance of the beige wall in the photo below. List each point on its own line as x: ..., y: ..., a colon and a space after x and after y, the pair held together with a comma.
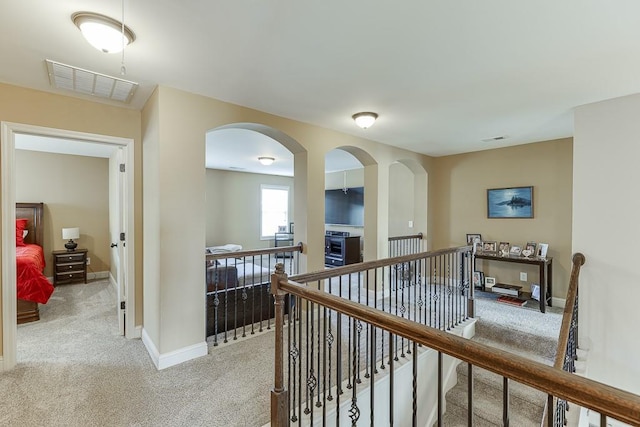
x: 458, y: 194
x: 75, y: 193
x: 605, y: 229
x: 175, y: 124
x: 26, y: 106
x: 233, y: 207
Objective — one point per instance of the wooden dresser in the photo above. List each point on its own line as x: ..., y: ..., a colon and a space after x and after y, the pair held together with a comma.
x: 69, y: 267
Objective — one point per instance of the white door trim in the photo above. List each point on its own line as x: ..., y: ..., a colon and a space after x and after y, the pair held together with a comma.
x: 8, y: 130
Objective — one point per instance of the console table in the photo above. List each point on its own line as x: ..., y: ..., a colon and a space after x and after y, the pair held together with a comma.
x: 546, y: 273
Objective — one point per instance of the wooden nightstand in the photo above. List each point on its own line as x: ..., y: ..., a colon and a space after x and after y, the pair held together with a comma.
x: 69, y: 267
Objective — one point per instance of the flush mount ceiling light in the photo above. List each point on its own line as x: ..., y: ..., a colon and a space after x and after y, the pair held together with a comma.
x: 102, y: 32
x: 266, y: 160
x: 365, y: 119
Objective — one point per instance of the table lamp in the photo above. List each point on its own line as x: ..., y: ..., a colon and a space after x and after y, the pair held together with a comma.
x: 70, y: 234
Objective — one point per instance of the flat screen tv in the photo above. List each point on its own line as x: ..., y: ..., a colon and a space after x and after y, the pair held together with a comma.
x: 342, y: 208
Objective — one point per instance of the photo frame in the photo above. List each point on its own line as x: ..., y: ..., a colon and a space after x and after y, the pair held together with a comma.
x: 531, y: 246
x: 478, y: 279
x: 515, y: 250
x: 542, y: 250
x: 282, y: 229
x: 291, y: 227
x: 490, y: 246
x: 503, y: 247
x: 489, y: 281
x: 512, y: 202
x: 471, y: 238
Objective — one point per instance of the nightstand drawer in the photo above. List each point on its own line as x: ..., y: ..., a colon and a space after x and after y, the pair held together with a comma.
x: 70, y: 267
x: 76, y: 275
x: 70, y: 257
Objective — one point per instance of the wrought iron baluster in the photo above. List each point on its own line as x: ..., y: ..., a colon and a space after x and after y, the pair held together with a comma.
x: 338, y: 365
x: 300, y: 360
x: 318, y: 370
x: 293, y: 359
x: 216, y: 304
x: 391, y: 378
x: 470, y: 394
x: 367, y: 337
x: 505, y: 401
x: 309, y: 365
x: 440, y: 390
x: 354, y: 411
x: 414, y: 384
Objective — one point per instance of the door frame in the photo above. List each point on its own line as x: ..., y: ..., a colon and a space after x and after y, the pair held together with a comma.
x: 8, y: 132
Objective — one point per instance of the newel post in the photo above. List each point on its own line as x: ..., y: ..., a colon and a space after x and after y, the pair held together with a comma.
x: 279, y: 396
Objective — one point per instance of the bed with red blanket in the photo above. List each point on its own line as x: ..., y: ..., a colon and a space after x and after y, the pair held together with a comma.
x: 33, y: 288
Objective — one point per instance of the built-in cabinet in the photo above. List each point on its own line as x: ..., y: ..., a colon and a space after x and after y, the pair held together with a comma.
x: 341, y: 250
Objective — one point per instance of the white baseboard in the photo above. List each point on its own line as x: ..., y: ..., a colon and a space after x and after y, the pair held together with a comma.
x: 98, y: 275
x: 163, y: 361
x: 558, y: 302
x: 137, y: 332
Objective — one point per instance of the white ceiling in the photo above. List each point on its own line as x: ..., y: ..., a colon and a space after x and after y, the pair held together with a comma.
x: 442, y: 75
x: 239, y: 149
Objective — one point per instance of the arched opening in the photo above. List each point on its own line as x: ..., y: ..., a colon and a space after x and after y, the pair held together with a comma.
x: 408, y: 195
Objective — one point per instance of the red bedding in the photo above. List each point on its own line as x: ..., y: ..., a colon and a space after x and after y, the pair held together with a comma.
x: 32, y: 285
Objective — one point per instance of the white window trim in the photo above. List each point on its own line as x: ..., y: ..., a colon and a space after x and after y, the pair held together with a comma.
x: 273, y: 187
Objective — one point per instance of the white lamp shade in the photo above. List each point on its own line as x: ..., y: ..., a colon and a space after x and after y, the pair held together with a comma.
x: 102, y: 32
x: 365, y: 120
x: 70, y: 233
x: 266, y: 160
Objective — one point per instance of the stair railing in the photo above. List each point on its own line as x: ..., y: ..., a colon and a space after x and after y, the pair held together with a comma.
x: 238, y: 290
x: 333, y: 383
x: 567, y: 352
x: 405, y: 245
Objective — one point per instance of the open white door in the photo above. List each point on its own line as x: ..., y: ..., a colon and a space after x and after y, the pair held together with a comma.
x: 117, y: 230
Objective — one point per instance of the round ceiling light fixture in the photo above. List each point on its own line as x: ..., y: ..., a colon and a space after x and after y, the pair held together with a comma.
x: 267, y: 161
x: 365, y: 119
x: 102, y: 32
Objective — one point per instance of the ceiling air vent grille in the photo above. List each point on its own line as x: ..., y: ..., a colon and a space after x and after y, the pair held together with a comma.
x: 494, y: 138
x: 76, y: 79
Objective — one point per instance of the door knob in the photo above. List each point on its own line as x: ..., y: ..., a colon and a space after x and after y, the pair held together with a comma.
x: 113, y: 245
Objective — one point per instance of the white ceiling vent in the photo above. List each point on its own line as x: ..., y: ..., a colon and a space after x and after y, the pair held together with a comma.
x: 76, y: 79
x: 495, y: 138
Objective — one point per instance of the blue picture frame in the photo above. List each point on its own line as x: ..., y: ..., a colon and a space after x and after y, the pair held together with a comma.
x: 511, y: 202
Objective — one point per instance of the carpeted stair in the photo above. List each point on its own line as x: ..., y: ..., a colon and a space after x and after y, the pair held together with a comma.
x: 526, y: 404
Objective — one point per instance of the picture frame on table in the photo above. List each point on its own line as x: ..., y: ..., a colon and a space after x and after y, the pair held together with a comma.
x: 531, y: 246
x: 490, y: 246
x: 472, y: 238
x: 515, y: 250
x: 511, y: 202
x: 478, y: 279
x: 543, y: 248
x: 503, y: 247
x: 489, y: 281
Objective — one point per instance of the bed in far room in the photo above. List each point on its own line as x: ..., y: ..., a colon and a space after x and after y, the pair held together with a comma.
x: 33, y: 288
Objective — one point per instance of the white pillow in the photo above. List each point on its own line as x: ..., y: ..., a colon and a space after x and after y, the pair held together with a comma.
x: 229, y: 247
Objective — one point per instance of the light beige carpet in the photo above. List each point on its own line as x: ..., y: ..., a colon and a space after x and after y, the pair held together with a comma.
x: 75, y: 370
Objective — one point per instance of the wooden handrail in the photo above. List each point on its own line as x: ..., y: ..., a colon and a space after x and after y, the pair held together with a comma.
x: 371, y: 265
x: 572, y: 293
x: 412, y: 236
x: 607, y: 400
x: 256, y: 252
